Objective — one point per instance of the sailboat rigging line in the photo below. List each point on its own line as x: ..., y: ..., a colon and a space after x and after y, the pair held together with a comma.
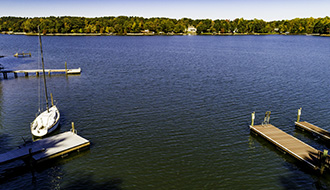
x: 43, y: 70
x: 39, y: 85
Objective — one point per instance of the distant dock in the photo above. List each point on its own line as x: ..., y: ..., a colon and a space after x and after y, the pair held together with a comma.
x: 315, y: 159
x: 22, y: 54
x: 55, y: 146
x: 5, y: 72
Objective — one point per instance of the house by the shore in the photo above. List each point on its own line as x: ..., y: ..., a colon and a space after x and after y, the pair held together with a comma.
x: 191, y: 30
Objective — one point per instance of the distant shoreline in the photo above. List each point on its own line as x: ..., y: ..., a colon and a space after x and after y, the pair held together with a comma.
x: 139, y: 26
x: 153, y: 34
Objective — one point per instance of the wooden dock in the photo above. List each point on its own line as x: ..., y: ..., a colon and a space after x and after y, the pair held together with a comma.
x: 38, y: 71
x: 289, y: 144
x: 305, y: 126
x: 22, y: 54
x: 47, y: 148
x: 315, y: 159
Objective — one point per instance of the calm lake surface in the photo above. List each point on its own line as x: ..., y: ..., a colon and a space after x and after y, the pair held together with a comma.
x: 170, y: 112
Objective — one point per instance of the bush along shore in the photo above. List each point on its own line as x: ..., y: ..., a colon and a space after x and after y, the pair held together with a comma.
x: 138, y: 26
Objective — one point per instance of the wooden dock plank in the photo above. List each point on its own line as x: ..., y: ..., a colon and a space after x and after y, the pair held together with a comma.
x: 47, y: 148
x: 289, y: 144
x: 313, y: 129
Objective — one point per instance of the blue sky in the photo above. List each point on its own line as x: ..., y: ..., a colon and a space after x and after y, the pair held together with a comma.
x: 213, y: 9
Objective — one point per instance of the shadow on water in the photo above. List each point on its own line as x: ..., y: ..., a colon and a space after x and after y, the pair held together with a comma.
x: 87, y: 182
x: 4, y: 139
x: 297, y: 179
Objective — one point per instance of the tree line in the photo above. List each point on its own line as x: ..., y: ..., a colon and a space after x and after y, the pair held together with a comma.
x: 122, y: 25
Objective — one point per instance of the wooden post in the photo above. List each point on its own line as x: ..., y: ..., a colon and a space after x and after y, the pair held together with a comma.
x: 26, y: 74
x: 5, y: 76
x: 51, y: 97
x: 299, y: 113
x: 37, y: 74
x: 267, y: 117
x: 66, y: 68
x: 72, y: 126
x: 49, y: 72
x: 252, y: 118
x: 15, y: 75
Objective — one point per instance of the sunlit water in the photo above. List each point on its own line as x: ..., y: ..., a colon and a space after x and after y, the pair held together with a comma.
x: 170, y: 112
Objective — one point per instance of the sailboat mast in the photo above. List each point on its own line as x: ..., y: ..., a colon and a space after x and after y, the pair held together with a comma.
x: 43, y: 70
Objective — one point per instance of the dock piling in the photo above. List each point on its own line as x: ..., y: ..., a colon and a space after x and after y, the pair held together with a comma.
x: 66, y: 68
x: 252, y: 118
x: 299, y: 113
x: 72, y: 129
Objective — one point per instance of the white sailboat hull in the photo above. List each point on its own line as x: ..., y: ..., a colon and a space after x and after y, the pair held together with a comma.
x: 46, y: 122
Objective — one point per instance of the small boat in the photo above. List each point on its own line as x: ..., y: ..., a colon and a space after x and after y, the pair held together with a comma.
x: 47, y: 121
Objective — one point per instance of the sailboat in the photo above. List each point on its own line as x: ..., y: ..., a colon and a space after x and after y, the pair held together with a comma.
x: 47, y: 121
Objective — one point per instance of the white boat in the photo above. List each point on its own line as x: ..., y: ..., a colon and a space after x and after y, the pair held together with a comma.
x: 47, y: 121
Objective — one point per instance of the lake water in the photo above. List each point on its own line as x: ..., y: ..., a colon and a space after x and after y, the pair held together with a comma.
x: 170, y: 112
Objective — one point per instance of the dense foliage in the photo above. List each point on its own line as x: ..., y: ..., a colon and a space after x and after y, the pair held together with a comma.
x: 122, y: 25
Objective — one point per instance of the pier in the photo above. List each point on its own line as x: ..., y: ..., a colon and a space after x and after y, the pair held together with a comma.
x: 315, y: 159
x: 22, y: 54
x: 41, y: 150
x: 305, y: 126
x: 38, y: 71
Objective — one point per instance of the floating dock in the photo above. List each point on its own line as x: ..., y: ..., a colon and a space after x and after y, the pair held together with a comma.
x: 314, y: 158
x: 47, y: 148
x: 22, y: 54
x: 38, y: 71
x: 305, y: 126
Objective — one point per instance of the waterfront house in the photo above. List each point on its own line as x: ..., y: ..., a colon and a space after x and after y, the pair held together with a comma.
x: 191, y: 30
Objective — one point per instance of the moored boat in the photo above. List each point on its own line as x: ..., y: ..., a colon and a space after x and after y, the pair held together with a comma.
x: 48, y: 120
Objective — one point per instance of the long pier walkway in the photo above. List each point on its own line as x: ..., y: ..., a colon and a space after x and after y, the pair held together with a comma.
x: 38, y: 71
x: 314, y: 158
